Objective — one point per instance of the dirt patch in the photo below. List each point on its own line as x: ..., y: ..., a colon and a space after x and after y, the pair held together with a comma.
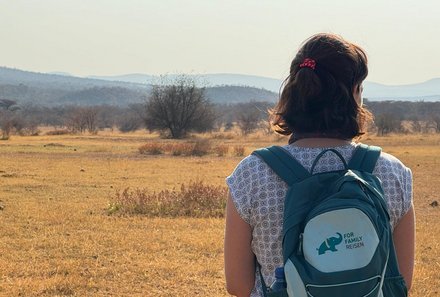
x: 53, y: 144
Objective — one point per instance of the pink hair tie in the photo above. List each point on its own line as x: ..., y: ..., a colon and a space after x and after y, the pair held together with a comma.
x: 309, y: 63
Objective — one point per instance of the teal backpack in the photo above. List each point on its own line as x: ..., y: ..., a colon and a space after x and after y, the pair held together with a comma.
x: 337, y: 237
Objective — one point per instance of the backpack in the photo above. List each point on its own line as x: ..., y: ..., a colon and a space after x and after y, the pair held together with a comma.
x: 337, y: 237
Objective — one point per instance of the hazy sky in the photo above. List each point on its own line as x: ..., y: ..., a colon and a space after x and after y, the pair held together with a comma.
x: 259, y: 37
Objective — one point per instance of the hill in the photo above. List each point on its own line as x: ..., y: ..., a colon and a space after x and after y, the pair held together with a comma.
x: 239, y: 94
x: 61, y: 88
x: 208, y: 80
x: 54, y: 89
x: 427, y: 91
x: 9, y: 76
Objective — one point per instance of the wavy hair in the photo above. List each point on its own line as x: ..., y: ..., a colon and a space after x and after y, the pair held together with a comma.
x: 320, y: 101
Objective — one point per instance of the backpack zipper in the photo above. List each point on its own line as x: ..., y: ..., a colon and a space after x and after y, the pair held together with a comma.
x: 364, y: 189
x: 300, y: 244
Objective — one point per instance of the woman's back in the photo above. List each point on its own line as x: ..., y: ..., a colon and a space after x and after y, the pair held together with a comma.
x: 320, y: 106
x: 258, y: 195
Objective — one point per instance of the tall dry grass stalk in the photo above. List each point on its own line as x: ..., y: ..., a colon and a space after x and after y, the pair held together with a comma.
x: 221, y: 150
x: 239, y: 150
x: 151, y: 149
x: 199, y: 148
x: 194, y: 200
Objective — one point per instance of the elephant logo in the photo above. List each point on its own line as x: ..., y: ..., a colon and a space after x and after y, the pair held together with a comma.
x: 330, y: 244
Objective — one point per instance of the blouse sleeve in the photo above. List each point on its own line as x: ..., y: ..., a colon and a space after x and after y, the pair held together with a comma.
x: 240, y: 184
x: 397, y: 184
x: 407, y: 185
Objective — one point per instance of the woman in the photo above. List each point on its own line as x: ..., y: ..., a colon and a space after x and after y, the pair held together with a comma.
x: 320, y: 107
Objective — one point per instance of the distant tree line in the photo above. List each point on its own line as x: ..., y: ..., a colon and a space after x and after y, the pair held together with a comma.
x: 178, y: 108
x: 171, y: 119
x: 405, y: 116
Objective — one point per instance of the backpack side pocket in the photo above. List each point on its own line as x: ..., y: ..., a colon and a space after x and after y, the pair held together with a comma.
x: 394, y: 286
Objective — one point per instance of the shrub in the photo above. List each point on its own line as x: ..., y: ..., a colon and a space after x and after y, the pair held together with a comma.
x: 195, y: 200
x: 198, y: 148
x: 223, y: 135
x: 201, y: 147
x: 221, y: 150
x: 58, y: 132
x: 178, y: 107
x: 239, y: 150
x: 129, y: 124
x: 182, y: 149
x: 167, y: 147
x: 151, y: 149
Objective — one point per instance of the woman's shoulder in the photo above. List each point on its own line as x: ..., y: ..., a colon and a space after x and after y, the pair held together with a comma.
x: 388, y: 162
x: 249, y: 170
x: 250, y: 162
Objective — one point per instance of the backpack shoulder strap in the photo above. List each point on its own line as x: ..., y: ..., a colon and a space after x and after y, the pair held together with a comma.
x: 364, y: 158
x: 283, y: 164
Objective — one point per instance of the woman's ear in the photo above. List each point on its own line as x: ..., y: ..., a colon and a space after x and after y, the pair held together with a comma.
x: 357, y: 94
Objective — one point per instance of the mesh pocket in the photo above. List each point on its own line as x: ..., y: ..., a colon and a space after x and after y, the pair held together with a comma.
x: 363, y: 288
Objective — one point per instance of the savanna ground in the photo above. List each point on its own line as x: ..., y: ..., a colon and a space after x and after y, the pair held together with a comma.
x: 57, y: 238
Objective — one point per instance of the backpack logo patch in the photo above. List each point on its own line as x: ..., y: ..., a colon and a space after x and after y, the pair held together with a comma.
x: 330, y: 244
x: 350, y: 239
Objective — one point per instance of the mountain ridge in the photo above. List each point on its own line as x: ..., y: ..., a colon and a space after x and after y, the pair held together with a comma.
x: 50, y: 88
x: 58, y: 89
x: 429, y: 89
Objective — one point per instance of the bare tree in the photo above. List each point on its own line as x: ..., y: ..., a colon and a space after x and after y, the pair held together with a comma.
x: 7, y: 116
x: 435, y: 122
x: 90, y: 118
x: 82, y: 119
x: 248, y: 121
x: 416, y: 124
x: 387, y: 123
x: 75, y: 122
x: 178, y: 108
x: 132, y: 118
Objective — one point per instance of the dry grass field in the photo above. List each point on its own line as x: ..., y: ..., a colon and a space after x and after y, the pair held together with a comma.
x: 57, y: 239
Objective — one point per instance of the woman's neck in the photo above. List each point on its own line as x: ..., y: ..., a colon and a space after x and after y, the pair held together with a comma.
x: 320, y: 142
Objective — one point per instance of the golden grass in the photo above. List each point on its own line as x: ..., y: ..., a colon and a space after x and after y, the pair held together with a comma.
x: 56, y: 238
x: 196, y: 200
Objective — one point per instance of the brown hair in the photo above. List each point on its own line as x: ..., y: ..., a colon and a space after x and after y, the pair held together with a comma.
x: 320, y: 101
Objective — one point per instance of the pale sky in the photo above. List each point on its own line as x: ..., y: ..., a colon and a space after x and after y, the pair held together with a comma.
x: 257, y: 37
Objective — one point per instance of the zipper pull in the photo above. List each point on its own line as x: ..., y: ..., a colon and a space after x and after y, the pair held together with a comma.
x: 300, y: 244
x: 362, y: 187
